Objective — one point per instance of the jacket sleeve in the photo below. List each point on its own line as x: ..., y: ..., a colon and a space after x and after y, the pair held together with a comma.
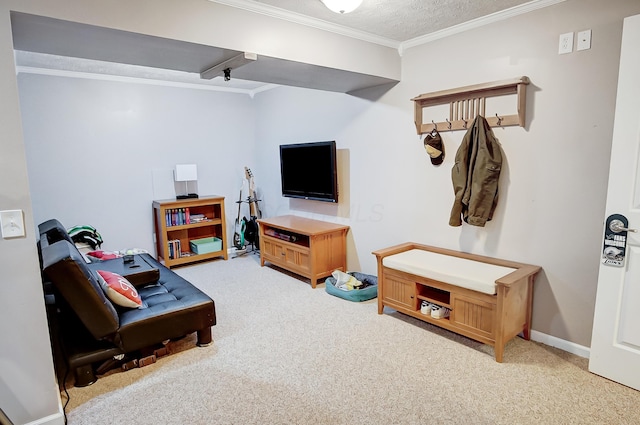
x: 459, y: 174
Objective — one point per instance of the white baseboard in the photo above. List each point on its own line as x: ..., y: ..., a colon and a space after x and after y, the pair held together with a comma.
x: 55, y: 419
x: 571, y: 347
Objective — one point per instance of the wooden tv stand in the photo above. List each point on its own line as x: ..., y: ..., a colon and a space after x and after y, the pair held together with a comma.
x: 307, y: 247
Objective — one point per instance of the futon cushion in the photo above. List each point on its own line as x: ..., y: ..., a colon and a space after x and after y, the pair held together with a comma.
x: 63, y: 265
x: 174, y: 307
x: 462, y: 272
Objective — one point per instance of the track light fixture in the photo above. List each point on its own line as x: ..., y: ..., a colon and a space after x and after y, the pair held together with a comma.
x: 225, y: 67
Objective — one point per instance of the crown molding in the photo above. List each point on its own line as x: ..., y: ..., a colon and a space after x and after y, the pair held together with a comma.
x: 297, y: 18
x: 139, y: 80
x: 478, y: 22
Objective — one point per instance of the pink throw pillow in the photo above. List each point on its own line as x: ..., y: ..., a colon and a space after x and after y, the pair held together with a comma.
x: 119, y: 290
x: 102, y: 255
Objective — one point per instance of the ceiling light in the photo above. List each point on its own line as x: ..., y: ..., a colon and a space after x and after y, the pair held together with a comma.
x: 342, y: 6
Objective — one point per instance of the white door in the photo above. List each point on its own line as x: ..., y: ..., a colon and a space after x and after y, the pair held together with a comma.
x: 615, y: 342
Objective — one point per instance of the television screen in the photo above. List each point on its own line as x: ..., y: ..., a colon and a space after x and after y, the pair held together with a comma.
x: 308, y: 171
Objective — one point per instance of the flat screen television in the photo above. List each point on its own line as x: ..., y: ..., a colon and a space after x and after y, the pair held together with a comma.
x: 308, y: 171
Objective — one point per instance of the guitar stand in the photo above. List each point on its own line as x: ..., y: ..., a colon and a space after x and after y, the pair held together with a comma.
x: 240, y: 252
x: 256, y: 250
x: 245, y: 250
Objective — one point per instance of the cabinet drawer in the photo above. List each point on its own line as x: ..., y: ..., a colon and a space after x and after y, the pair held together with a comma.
x: 287, y: 255
x: 473, y: 315
x: 399, y: 292
x: 297, y: 258
x: 270, y: 249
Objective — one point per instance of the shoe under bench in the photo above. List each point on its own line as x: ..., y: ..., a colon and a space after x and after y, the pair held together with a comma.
x: 490, y: 299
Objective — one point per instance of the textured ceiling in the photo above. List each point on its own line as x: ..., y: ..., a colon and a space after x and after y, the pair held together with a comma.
x: 396, y: 20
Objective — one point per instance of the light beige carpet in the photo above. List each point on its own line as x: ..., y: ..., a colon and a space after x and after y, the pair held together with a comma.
x: 284, y: 353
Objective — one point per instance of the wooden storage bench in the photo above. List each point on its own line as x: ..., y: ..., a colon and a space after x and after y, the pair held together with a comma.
x: 490, y: 299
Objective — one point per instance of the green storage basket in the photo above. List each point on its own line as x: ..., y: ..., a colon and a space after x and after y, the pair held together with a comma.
x: 205, y: 245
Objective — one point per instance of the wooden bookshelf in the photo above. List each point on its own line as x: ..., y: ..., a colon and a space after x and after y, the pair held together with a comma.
x: 171, y: 224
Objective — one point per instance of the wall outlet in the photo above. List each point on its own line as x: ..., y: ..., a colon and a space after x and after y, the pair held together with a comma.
x: 565, y: 44
x: 583, y: 40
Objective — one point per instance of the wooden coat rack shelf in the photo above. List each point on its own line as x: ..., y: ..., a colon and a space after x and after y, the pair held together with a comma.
x: 465, y: 103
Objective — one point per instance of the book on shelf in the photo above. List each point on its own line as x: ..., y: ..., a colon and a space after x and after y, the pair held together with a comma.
x: 174, y: 249
x: 177, y: 217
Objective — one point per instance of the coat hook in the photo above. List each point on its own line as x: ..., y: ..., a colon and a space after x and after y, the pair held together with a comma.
x: 448, y: 123
x: 499, y: 119
x: 465, y: 123
x: 435, y: 126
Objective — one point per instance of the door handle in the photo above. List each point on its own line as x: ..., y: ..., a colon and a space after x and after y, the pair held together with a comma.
x: 617, y: 226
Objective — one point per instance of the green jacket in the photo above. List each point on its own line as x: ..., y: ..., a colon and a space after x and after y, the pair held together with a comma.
x: 475, y: 176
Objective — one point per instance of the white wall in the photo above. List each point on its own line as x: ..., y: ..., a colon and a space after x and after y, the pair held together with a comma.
x: 99, y: 152
x: 373, y: 191
x: 28, y: 388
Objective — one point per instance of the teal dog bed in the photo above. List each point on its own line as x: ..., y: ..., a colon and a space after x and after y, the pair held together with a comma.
x: 357, y: 295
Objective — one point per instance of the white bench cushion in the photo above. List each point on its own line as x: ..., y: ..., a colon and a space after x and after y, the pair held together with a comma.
x: 470, y: 274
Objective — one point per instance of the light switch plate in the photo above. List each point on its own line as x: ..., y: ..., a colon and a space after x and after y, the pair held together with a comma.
x: 12, y: 224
